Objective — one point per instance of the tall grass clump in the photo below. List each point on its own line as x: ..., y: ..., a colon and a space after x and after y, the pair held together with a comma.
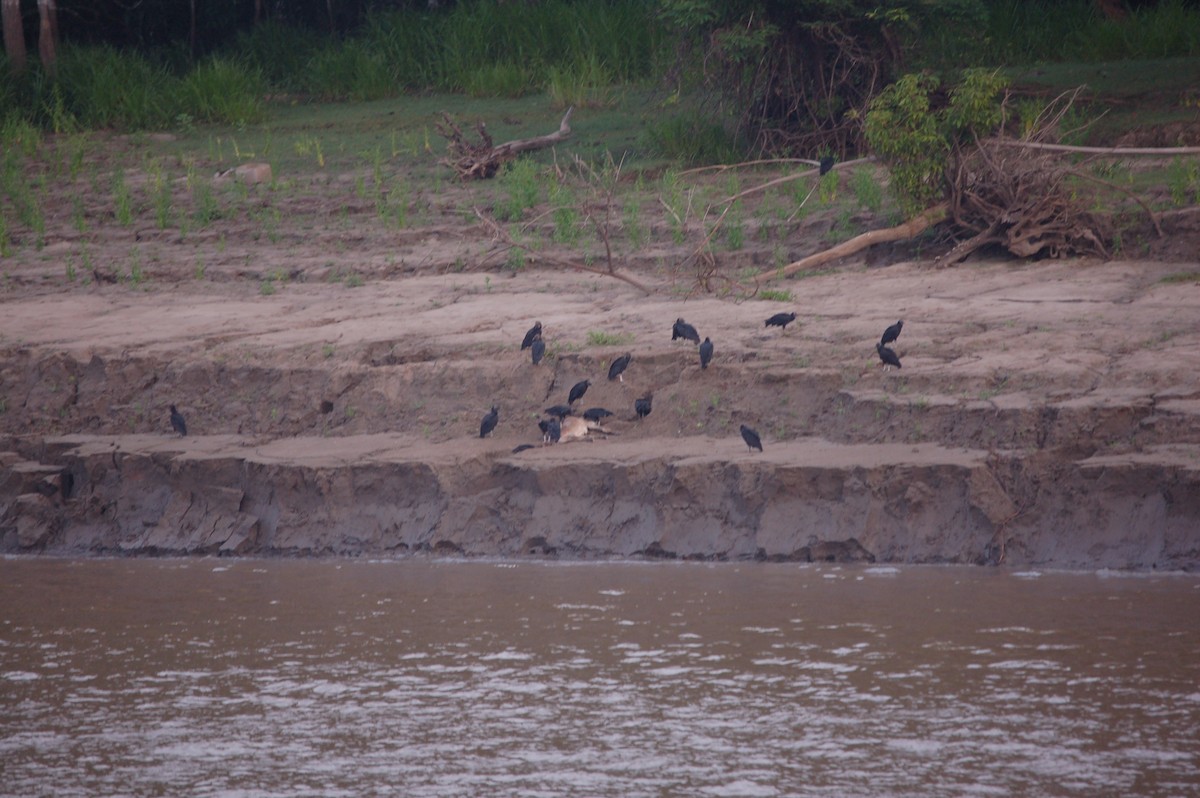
x: 691, y: 138
x: 1026, y: 31
x: 222, y: 90
x: 586, y: 84
x: 349, y: 70
x: 1162, y: 30
x: 109, y: 88
x: 499, y: 80
x: 473, y: 46
x: 279, y: 52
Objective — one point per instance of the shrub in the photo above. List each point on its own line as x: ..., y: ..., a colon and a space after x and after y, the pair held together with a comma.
x: 915, y: 138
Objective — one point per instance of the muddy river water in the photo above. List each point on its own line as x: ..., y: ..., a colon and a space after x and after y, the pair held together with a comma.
x: 421, y: 678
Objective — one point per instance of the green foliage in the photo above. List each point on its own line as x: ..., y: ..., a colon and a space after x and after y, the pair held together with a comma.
x: 867, y: 189
x: 1024, y: 31
x: 1183, y: 181
x: 122, y: 200
x: 691, y: 138
x: 774, y: 295
x: 802, y: 71
x: 109, y: 88
x: 222, y: 90
x: 601, y: 338
x: 519, y: 179
x: 348, y: 70
x: 916, y: 139
x: 582, y: 84
x: 498, y: 80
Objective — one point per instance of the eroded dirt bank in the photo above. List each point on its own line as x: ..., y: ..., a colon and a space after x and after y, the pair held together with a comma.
x: 1045, y: 415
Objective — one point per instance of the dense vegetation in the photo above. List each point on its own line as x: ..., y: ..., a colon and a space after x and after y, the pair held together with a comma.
x: 766, y: 75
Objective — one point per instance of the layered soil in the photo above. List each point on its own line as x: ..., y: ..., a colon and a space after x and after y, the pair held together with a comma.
x: 1046, y: 414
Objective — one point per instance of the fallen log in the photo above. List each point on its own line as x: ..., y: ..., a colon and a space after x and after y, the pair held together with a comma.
x: 483, y: 160
x: 901, y: 232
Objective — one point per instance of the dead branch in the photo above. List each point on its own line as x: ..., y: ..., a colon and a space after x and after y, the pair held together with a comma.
x: 502, y: 235
x: 1116, y: 152
x: 483, y: 160
x: 901, y: 232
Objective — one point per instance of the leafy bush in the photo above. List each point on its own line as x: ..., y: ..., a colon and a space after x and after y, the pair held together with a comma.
x: 802, y: 72
x: 915, y: 138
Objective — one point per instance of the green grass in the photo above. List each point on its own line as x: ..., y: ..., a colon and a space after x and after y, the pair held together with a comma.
x: 1181, y: 277
x: 775, y: 295
x: 601, y: 338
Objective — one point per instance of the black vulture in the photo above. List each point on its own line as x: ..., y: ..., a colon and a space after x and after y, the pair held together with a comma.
x: 177, y: 422
x: 559, y: 411
x: 751, y: 438
x: 706, y: 350
x: 577, y: 391
x: 619, y: 365
x: 643, y: 406
x: 551, y: 430
x: 826, y: 164
x: 682, y: 329
x: 534, y: 332
x: 780, y: 320
x: 596, y: 414
x: 892, y: 333
x: 521, y: 448
x: 489, y: 422
x: 537, y: 350
x: 888, y: 356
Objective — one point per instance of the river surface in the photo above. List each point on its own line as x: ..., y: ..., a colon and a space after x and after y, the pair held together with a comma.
x: 254, y: 678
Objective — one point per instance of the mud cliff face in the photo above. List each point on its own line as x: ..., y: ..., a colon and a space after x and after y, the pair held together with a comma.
x: 1020, y: 430
x: 806, y: 499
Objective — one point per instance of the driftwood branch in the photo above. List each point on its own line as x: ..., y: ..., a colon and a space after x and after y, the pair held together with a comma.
x: 483, y: 160
x: 901, y: 232
x: 1114, y: 151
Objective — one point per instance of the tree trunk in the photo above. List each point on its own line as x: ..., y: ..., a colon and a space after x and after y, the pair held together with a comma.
x: 48, y: 34
x: 14, y: 34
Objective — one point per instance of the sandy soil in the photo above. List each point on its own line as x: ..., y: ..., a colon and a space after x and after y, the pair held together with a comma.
x: 1043, y: 365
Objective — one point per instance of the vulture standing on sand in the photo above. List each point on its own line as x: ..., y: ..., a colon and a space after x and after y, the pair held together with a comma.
x: 533, y: 333
x: 551, y: 430
x: 537, y: 350
x: 888, y: 356
x: 643, y: 406
x: 177, y: 422
x: 577, y: 391
x: 489, y: 422
x: 558, y: 411
x: 596, y: 414
x: 751, y: 438
x: 780, y: 320
x: 682, y: 329
x: 892, y: 333
x: 618, y: 366
x: 706, y: 350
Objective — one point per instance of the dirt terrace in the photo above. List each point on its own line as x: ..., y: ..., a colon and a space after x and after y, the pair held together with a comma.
x: 1046, y: 414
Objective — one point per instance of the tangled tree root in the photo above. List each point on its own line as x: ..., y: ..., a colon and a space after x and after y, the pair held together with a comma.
x: 1020, y: 200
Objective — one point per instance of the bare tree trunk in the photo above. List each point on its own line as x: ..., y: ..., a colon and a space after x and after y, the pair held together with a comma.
x: 48, y: 34
x: 14, y: 34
